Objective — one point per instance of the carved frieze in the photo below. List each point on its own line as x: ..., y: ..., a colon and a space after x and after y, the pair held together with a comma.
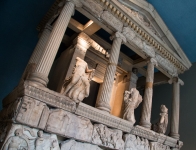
x: 22, y: 137
x: 47, y: 96
x: 133, y: 142
x: 145, y: 133
x: 93, y: 6
x: 112, y: 21
x: 31, y: 111
x: 167, y: 65
x: 69, y: 125
x: 158, y: 146
x: 106, y: 137
x: 73, y: 145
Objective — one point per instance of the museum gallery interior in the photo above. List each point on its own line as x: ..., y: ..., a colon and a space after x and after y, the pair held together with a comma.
x: 97, y: 75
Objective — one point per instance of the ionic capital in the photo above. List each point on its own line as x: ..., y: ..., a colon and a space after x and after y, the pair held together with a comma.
x: 153, y: 61
x: 119, y: 35
x: 77, y: 3
x: 176, y: 80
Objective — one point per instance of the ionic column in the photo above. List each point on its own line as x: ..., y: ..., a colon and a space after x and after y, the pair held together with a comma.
x: 103, y: 103
x: 174, y: 129
x: 147, y: 102
x: 40, y: 76
x: 37, y: 53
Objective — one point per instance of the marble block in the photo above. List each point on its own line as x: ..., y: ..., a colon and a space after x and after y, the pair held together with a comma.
x: 158, y: 146
x: 69, y: 125
x: 106, y: 137
x: 33, y: 113
x: 21, y: 137
x: 73, y: 145
x: 133, y: 142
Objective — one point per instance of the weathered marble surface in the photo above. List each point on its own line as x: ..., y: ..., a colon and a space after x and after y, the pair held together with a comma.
x: 33, y: 113
x: 69, y: 125
x: 77, y: 87
x: 73, y: 145
x: 161, y: 126
x: 106, y: 137
x: 132, y: 99
x: 133, y: 142
x: 9, y: 112
x: 21, y: 137
x: 158, y: 146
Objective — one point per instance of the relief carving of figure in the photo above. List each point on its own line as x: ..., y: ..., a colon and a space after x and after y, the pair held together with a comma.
x: 17, y: 142
x: 132, y: 99
x: 161, y: 126
x: 45, y: 143
x: 77, y: 87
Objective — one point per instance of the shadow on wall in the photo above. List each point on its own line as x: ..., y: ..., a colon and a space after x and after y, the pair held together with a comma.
x: 18, y: 38
x: 163, y: 95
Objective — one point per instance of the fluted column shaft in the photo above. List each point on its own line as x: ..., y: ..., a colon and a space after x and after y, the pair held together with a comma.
x: 103, y: 103
x: 49, y: 52
x: 175, y: 108
x: 38, y: 51
x: 147, y: 102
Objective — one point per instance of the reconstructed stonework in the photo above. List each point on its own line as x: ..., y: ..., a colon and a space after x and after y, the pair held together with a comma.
x: 69, y: 125
x: 73, y: 145
x: 25, y: 138
x: 34, y: 117
x: 106, y: 137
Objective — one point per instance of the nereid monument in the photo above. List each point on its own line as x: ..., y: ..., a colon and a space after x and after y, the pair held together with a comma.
x: 114, y: 52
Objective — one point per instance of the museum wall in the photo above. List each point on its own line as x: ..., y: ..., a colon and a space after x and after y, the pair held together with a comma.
x: 163, y: 95
x: 18, y: 38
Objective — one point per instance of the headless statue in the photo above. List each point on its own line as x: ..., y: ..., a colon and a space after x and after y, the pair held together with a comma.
x: 132, y: 99
x: 161, y: 126
x: 78, y: 84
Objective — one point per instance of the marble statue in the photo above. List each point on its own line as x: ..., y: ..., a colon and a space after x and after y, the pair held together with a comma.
x: 132, y: 99
x: 161, y: 126
x: 77, y: 87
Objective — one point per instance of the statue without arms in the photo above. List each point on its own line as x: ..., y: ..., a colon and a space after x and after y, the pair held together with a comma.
x: 161, y: 126
x: 77, y: 87
x: 132, y: 99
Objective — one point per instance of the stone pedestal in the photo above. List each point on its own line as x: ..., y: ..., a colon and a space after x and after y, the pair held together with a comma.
x: 103, y: 103
x: 147, y: 102
x: 40, y: 76
x: 175, y: 107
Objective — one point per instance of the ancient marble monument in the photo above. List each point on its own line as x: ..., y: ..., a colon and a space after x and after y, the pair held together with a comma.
x: 132, y: 99
x: 161, y: 126
x: 86, y: 97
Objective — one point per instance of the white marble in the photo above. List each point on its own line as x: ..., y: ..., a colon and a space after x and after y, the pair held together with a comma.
x: 132, y: 99
x: 103, y: 101
x: 133, y: 142
x: 147, y: 102
x: 161, y: 125
x: 73, y: 145
x: 106, y: 137
x: 77, y: 87
x: 69, y: 125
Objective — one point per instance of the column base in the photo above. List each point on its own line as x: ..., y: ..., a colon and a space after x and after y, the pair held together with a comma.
x: 174, y: 135
x: 38, y: 78
x: 145, y: 124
